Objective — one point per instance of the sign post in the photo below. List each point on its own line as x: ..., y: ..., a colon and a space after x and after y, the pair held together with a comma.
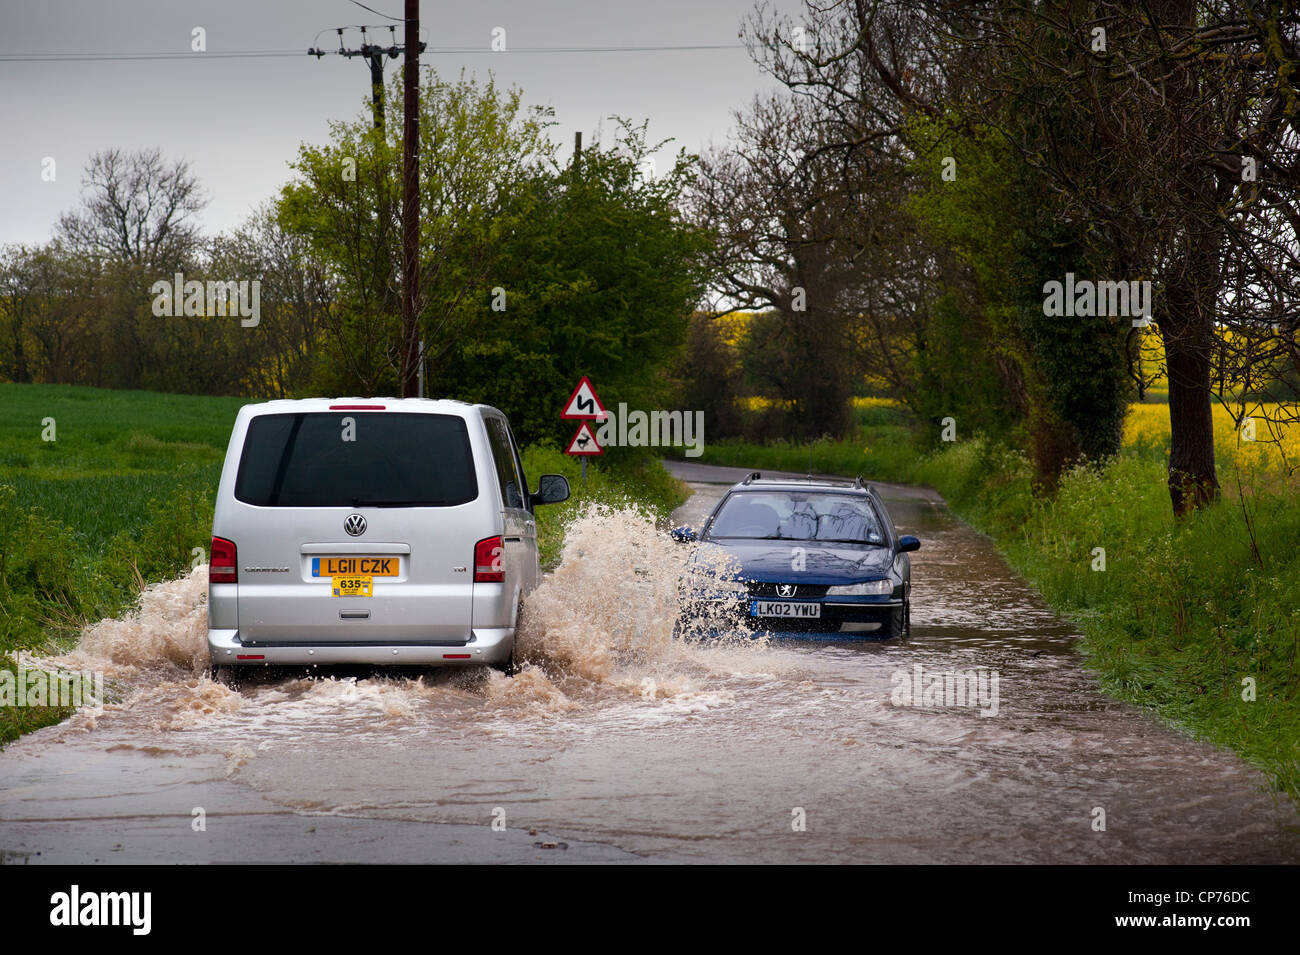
x: 584, y: 406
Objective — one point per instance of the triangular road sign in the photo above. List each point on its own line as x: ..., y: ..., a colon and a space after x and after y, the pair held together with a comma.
x: 584, y: 403
x: 584, y: 442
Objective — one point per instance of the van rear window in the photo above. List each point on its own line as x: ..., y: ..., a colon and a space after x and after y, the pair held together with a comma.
x: 356, y: 459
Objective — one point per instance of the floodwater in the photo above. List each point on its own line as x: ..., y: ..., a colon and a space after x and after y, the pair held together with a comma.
x: 620, y: 743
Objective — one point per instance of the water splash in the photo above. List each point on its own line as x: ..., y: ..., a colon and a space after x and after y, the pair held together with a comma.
x: 610, y: 612
x: 604, y: 627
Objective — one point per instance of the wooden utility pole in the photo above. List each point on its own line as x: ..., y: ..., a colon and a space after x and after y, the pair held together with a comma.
x: 377, y: 86
x: 411, y: 369
x: 374, y: 54
x: 411, y: 204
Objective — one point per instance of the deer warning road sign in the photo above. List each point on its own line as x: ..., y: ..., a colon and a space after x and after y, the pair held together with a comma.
x: 584, y: 442
x: 584, y: 403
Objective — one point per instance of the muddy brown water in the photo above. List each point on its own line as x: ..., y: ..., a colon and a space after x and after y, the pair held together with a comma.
x: 623, y: 744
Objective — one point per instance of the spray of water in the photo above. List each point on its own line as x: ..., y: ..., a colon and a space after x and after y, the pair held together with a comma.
x: 614, y: 607
x: 606, y: 625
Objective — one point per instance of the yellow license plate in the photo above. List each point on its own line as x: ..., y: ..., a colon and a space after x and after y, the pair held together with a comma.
x: 354, y: 566
x: 353, y: 586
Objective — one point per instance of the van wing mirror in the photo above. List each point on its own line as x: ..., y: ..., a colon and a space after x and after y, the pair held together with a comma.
x: 551, y: 489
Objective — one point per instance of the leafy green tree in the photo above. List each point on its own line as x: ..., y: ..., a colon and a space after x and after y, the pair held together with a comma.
x: 596, y: 273
x: 1064, y: 378
x: 478, y: 146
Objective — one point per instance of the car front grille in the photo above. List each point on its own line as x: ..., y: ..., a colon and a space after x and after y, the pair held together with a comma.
x: 801, y: 591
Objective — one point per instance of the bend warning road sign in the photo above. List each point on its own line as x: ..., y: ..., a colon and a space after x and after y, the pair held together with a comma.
x: 584, y: 442
x: 584, y: 403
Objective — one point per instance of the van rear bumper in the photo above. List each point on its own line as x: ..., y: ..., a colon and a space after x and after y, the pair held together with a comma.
x: 488, y: 645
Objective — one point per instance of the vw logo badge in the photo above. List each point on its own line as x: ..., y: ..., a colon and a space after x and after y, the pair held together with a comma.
x: 355, y: 525
x: 785, y: 590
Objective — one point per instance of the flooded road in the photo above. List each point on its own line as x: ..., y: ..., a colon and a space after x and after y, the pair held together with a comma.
x: 619, y: 743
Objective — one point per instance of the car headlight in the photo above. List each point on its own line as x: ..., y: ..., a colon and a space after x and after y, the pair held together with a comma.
x: 705, y: 586
x: 870, y: 587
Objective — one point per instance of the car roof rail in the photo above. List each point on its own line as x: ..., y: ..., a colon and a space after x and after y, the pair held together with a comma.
x: 858, y: 482
x: 751, y: 476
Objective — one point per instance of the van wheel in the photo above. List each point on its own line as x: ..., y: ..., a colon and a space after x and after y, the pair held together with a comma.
x: 511, y: 666
x: 223, y: 675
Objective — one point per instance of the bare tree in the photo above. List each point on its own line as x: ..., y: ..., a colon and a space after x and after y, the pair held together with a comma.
x: 298, y: 291
x: 138, y: 208
x: 18, y: 296
x: 810, y: 224
x: 772, y: 202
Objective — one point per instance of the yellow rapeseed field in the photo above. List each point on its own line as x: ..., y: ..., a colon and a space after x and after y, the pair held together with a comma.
x: 758, y: 403
x: 874, y: 403
x: 1274, y: 448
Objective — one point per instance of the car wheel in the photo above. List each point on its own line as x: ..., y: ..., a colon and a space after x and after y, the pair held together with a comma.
x: 906, y: 630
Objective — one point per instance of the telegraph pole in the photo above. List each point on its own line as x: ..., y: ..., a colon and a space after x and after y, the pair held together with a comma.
x: 374, y: 55
x: 411, y: 202
x: 412, y: 366
x: 377, y: 86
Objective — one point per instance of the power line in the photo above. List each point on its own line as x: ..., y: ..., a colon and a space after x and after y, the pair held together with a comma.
x: 377, y: 13
x: 446, y: 50
x: 363, y: 27
x: 73, y: 57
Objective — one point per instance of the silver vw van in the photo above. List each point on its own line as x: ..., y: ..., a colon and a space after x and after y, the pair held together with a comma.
x: 371, y: 531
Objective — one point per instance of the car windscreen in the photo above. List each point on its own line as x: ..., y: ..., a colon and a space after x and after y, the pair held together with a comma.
x: 356, y: 459
x: 800, y: 516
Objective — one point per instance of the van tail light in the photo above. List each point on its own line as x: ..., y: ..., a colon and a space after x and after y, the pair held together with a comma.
x: 487, y: 561
x: 221, y: 562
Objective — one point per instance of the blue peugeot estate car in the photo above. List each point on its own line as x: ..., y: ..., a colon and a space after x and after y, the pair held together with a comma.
x: 803, y: 555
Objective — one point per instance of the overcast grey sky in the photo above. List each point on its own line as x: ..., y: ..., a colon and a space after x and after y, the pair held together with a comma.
x: 240, y: 121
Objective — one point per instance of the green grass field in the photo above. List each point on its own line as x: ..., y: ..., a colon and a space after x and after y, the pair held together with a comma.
x: 123, y: 492
x: 119, y: 498
x: 114, y: 450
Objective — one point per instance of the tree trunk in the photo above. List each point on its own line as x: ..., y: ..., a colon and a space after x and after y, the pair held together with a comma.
x: 1192, y: 287
x: 1193, y: 481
